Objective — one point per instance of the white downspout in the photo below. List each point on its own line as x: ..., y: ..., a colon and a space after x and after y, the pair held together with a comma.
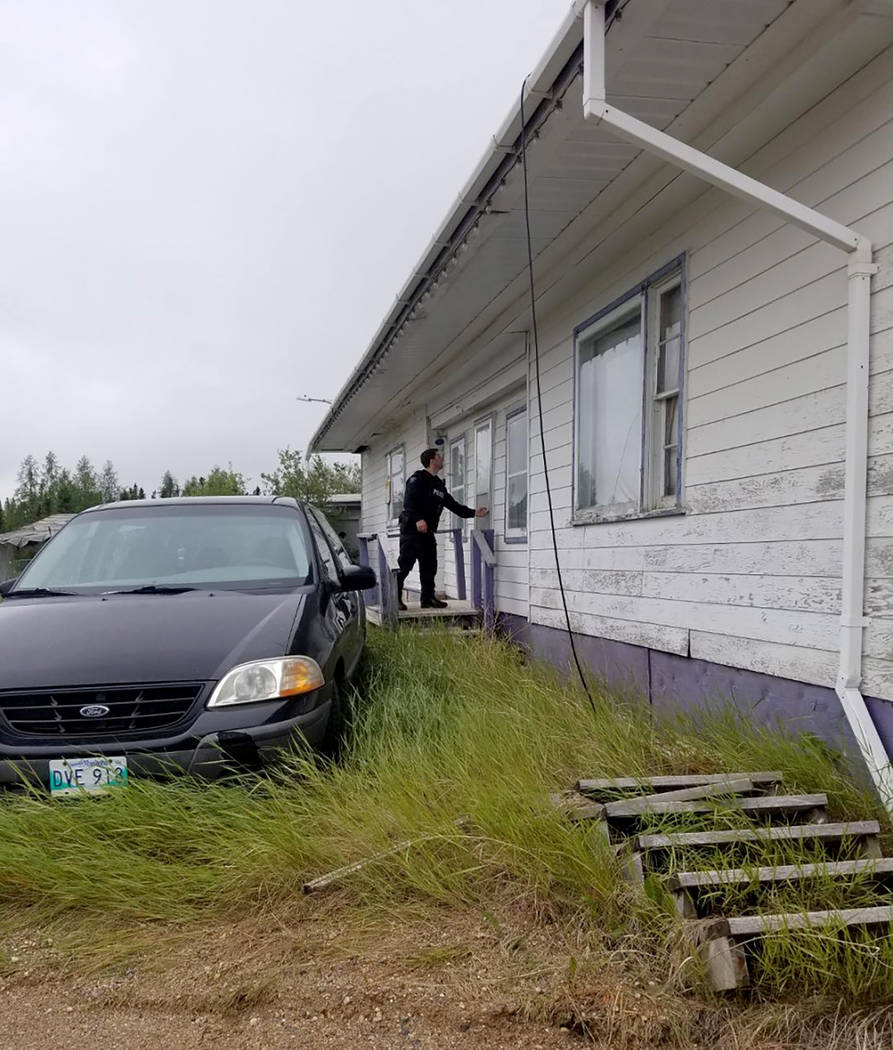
x: 859, y: 271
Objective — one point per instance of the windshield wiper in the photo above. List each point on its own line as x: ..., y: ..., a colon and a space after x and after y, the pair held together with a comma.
x: 40, y: 592
x: 154, y: 588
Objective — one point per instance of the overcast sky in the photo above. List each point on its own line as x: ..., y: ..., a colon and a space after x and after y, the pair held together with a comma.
x: 208, y: 206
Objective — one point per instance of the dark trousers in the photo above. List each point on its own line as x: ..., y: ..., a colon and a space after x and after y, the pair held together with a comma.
x: 422, y: 548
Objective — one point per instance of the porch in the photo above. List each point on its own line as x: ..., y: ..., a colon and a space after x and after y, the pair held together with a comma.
x: 478, y: 607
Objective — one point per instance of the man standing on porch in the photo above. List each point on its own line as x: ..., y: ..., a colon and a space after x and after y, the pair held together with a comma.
x: 423, y: 502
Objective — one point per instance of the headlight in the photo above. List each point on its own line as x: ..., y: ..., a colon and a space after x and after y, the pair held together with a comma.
x: 267, y: 680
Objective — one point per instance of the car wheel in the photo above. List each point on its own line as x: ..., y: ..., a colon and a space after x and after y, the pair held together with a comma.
x: 336, y: 726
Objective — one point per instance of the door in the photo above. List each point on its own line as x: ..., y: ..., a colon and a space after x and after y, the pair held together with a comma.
x: 483, y: 470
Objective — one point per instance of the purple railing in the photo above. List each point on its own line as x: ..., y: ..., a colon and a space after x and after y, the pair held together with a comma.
x: 483, y: 566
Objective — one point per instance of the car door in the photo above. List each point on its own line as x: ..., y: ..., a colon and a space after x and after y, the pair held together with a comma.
x: 342, y: 609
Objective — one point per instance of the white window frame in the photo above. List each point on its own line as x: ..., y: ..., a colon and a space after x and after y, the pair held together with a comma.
x: 394, y: 519
x: 517, y: 534
x: 461, y: 440
x: 489, y: 420
x: 651, y: 499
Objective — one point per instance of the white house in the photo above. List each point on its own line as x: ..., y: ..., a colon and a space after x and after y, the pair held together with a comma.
x: 693, y: 361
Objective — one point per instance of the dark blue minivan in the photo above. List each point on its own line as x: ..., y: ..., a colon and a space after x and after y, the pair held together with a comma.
x: 159, y: 636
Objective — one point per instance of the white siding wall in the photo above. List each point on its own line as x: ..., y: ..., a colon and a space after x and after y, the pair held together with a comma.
x: 750, y: 575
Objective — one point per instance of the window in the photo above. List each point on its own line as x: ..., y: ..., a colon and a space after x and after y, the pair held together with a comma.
x: 338, y: 549
x: 396, y: 484
x: 629, y: 385
x: 483, y: 468
x: 516, y: 475
x: 457, y: 477
x: 329, y: 567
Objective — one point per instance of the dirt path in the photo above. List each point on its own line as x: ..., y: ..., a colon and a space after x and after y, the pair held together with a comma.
x: 310, y: 986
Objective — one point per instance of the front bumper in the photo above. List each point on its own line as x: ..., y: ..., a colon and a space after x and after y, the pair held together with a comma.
x: 207, y: 756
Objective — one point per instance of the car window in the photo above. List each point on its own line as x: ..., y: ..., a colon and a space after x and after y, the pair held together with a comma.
x: 338, y: 549
x: 330, y: 569
x: 175, y: 545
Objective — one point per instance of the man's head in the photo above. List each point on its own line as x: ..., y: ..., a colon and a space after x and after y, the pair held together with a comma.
x: 432, y: 459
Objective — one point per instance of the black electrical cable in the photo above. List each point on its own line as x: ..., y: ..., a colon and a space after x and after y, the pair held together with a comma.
x: 539, y: 396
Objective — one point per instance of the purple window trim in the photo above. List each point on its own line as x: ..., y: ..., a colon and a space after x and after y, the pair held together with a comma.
x: 510, y: 415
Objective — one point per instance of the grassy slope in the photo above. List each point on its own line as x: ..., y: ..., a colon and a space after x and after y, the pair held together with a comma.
x: 449, y: 727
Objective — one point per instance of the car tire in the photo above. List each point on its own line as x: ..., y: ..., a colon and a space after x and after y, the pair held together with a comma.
x: 336, y: 726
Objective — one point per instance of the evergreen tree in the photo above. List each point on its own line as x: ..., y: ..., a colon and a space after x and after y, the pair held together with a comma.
x: 86, y: 484
x: 109, y: 488
x: 169, y: 487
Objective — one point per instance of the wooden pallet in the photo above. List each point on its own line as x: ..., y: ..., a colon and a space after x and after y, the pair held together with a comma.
x: 604, y: 790
x: 619, y: 806
x: 722, y: 942
x: 688, y: 887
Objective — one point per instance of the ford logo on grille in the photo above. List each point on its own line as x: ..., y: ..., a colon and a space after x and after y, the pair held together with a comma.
x: 94, y: 711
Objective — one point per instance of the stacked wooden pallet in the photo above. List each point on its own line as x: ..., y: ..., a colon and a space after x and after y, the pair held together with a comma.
x: 751, y: 815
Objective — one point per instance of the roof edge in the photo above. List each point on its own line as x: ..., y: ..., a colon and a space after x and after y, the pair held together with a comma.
x: 538, y: 88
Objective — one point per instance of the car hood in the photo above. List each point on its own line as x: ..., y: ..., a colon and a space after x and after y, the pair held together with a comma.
x: 195, y: 636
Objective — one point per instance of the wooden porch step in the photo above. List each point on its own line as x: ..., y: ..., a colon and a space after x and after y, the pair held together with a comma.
x: 757, y: 925
x: 644, y: 847
x: 606, y: 789
x: 642, y: 804
x: 862, y: 829
x: 455, y: 610
x: 761, y: 806
x: 722, y: 941
x: 686, y: 885
x: 779, y: 873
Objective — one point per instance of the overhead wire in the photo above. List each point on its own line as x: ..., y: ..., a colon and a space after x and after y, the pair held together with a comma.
x: 539, y: 395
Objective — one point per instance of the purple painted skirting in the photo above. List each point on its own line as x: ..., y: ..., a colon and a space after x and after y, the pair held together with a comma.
x: 680, y: 683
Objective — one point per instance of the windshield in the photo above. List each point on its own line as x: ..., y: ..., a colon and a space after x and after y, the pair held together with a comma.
x: 179, y: 546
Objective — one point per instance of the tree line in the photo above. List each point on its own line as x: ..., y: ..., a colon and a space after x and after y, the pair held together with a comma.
x: 51, y: 488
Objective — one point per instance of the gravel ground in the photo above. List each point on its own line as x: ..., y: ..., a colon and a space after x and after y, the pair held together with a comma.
x: 412, y: 988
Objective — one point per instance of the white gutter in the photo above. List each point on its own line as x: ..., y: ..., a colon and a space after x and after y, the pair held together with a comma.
x: 859, y: 270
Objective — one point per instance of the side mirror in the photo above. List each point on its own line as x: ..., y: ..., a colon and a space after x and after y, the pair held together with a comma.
x: 7, y: 586
x: 357, y: 578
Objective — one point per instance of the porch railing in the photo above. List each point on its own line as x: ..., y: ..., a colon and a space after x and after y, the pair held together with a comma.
x: 483, y: 574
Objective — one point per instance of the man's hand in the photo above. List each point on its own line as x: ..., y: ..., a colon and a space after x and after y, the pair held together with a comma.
x: 422, y: 526
x: 482, y: 512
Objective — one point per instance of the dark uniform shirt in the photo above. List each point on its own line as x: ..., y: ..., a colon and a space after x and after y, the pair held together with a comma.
x: 424, y: 500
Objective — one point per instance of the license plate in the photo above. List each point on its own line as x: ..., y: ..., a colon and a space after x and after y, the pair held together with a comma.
x: 73, y: 776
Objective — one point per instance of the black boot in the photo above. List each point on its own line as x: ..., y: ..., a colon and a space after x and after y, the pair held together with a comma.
x: 434, y: 603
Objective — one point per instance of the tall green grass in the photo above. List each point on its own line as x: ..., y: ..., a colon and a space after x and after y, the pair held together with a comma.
x: 445, y: 727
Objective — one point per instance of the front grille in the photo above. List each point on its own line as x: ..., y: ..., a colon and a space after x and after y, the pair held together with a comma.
x: 133, y: 710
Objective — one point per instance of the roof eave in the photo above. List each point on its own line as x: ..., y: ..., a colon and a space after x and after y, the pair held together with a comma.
x: 537, y: 86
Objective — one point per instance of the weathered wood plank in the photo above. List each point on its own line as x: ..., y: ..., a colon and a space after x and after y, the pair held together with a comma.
x: 655, y: 636
x: 808, y: 376
x: 753, y: 925
x: 813, y: 630
x: 790, y: 833
x: 575, y: 806
x: 814, y: 594
x: 720, y: 789
x: 824, y: 522
x: 759, y: 806
x: 695, y: 880
x: 802, y: 413
x: 726, y: 964
x: 813, y: 336
x: 818, y: 666
x: 671, y: 781
x: 757, y: 558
